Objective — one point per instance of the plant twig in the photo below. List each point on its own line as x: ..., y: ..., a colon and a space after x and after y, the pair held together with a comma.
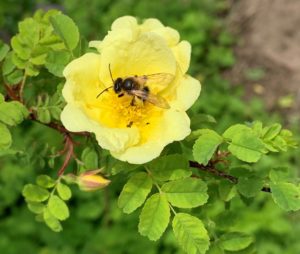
x: 212, y: 170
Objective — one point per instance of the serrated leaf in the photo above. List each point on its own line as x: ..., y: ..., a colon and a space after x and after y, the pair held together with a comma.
x: 35, y: 193
x: 12, y: 113
x: 66, y: 29
x: 63, y: 191
x: 135, y: 192
x: 186, y: 193
x: 190, y: 233
x: 249, y: 186
x: 36, y: 207
x: 286, y: 195
x: 170, y: 167
x: 89, y: 158
x: 235, y: 241
x: 233, y: 130
x: 246, y: 146
x: 271, y: 132
x: 4, y: 48
x: 58, y: 208
x: 56, y: 62
x: 154, y: 217
x: 206, y: 145
x: 8, y: 65
x: 45, y: 181
x: 51, y: 221
x: 5, y: 137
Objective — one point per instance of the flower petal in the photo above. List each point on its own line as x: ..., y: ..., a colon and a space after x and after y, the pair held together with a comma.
x: 147, y: 55
x: 182, y: 53
x: 174, y: 126
x: 82, y: 74
x: 187, y: 92
x: 113, y: 139
x: 169, y: 34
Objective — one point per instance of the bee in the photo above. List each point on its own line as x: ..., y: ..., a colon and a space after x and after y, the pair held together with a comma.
x: 137, y: 87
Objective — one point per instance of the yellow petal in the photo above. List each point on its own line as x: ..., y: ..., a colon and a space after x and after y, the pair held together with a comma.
x: 182, y: 53
x: 82, y: 74
x: 173, y: 126
x: 113, y: 139
x: 125, y: 22
x: 147, y: 55
x: 169, y: 34
x: 187, y: 92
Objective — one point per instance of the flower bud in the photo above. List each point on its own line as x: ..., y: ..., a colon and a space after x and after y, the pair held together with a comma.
x: 91, y: 180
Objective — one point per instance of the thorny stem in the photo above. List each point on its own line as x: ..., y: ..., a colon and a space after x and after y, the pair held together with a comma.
x: 210, y: 168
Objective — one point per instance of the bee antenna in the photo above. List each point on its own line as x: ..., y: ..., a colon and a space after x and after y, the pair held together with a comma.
x: 106, y: 89
x: 111, y: 74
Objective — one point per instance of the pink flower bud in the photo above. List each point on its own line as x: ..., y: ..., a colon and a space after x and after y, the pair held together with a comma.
x: 91, y: 180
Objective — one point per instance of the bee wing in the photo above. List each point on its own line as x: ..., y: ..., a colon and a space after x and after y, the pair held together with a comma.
x: 154, y: 99
x: 158, y: 79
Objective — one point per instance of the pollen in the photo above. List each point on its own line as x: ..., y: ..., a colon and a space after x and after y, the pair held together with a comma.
x: 123, y: 112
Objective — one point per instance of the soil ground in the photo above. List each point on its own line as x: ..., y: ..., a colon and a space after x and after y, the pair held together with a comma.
x: 268, y: 51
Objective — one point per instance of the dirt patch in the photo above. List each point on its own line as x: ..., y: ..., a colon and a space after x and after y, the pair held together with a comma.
x: 268, y: 52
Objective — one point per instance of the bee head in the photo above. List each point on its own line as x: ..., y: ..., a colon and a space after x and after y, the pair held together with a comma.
x: 118, y: 85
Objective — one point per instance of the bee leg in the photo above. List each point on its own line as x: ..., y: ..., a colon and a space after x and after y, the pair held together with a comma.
x: 132, y: 103
x: 120, y: 95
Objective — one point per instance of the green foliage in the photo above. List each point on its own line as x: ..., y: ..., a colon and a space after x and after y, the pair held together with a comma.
x: 155, y: 216
x: 186, y: 193
x: 190, y: 233
x: 235, y: 241
x: 134, y: 192
x: 206, y: 145
x: 221, y: 215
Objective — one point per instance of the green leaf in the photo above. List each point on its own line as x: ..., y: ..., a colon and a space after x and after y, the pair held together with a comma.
x: 227, y: 190
x: 66, y: 29
x: 186, y: 193
x: 51, y: 221
x: 36, y: 207
x: 135, y: 192
x: 280, y: 174
x: 4, y: 48
x: 45, y: 181
x: 58, y: 208
x: 170, y: 167
x: 12, y: 113
x: 235, y: 241
x: 63, y: 191
x: 5, y: 137
x: 286, y: 195
x: 35, y: 193
x: 43, y: 115
x: 233, y: 130
x: 190, y: 233
x: 249, y: 186
x: 206, y: 145
x: 89, y: 158
x: 246, y: 146
x: 154, y: 217
x: 56, y: 62
x: 271, y: 132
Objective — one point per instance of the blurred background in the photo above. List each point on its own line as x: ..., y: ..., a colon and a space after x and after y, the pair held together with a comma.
x: 247, y: 56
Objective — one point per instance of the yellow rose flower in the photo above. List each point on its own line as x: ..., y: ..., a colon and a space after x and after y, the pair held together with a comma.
x: 135, y: 131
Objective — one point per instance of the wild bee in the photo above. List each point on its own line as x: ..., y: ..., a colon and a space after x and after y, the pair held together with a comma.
x: 137, y: 86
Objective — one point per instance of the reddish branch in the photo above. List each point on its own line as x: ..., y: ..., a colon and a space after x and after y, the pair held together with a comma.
x: 69, y: 149
x: 210, y: 168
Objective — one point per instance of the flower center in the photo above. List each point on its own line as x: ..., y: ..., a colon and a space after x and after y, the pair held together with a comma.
x: 123, y: 112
